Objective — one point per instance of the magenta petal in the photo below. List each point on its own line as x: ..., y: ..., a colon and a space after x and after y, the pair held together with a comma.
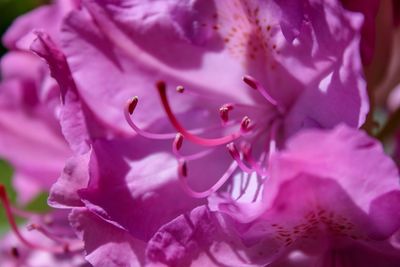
x: 105, y: 244
x: 327, y: 186
x: 75, y: 176
x: 196, y: 239
x: 78, y: 123
x: 134, y: 187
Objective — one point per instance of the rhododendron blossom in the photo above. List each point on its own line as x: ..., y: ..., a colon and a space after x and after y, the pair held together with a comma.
x: 214, y: 133
x: 275, y: 97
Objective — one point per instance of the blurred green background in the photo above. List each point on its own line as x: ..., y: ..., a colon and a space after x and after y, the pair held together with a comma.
x: 9, y: 10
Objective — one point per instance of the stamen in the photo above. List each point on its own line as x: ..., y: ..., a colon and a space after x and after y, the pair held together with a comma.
x: 46, y: 233
x: 132, y: 104
x: 23, y: 213
x: 236, y: 156
x: 177, y: 144
x: 182, y: 172
x: 178, y: 141
x: 250, y: 81
x: 182, y: 168
x: 180, y: 89
x: 128, y: 111
x: 245, y: 125
x: 15, y: 252
x: 161, y: 86
x: 247, y: 155
x: 224, y: 112
x: 6, y: 204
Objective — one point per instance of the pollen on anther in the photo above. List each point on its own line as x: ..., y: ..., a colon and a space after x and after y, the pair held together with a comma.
x: 180, y: 89
x: 244, y: 125
x: 223, y: 114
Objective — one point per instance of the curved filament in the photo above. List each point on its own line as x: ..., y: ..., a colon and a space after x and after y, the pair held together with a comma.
x: 6, y: 204
x: 182, y: 173
x: 193, y: 138
x: 128, y: 111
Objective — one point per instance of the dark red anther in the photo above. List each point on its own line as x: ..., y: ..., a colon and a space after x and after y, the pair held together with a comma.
x: 245, y: 124
x: 161, y: 85
x: 224, y: 112
x: 180, y: 89
x: 15, y: 252
x: 183, y: 168
x: 178, y: 141
x: 250, y: 82
x: 132, y: 104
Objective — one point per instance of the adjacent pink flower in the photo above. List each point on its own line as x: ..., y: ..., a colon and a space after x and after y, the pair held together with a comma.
x: 30, y: 135
x: 46, y: 239
x: 31, y: 140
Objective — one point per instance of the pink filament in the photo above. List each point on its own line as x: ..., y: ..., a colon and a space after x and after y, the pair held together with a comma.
x: 249, y: 158
x: 182, y: 172
x: 6, y: 204
x: 236, y: 156
x: 129, y: 109
x: 250, y: 81
x: 177, y: 144
x: 46, y: 233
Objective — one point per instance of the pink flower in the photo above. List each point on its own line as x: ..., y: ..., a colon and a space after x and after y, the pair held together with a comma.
x: 301, y: 69
x: 322, y: 73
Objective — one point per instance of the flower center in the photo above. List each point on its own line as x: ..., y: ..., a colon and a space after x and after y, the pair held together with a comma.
x: 250, y: 133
